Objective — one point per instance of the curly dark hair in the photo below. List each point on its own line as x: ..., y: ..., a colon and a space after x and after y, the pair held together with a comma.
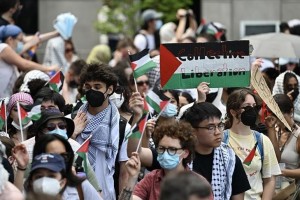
x: 177, y: 130
x: 234, y: 102
x: 99, y: 72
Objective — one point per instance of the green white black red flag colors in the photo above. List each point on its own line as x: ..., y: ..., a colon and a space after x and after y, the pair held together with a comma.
x: 141, y: 63
x: 251, y: 155
x: 56, y: 81
x: 2, y: 114
x: 157, y: 100
x: 83, y: 149
x: 224, y: 64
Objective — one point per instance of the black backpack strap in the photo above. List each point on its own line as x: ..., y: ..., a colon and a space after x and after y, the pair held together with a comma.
x: 122, y: 128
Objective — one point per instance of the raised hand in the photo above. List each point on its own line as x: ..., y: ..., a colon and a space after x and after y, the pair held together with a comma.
x: 80, y: 122
x: 150, y: 127
x: 136, y: 103
x: 203, y: 90
x: 133, y: 165
x: 19, y: 152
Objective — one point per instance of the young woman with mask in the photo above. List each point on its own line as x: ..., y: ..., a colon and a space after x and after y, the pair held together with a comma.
x: 175, y: 147
x: 13, y: 125
x: 76, y: 187
x: 262, y: 167
x: 48, y: 177
x: 288, y: 83
x: 285, y: 142
x: 52, y: 121
x: 11, y: 62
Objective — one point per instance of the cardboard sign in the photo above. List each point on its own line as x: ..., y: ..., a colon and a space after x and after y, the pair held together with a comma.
x: 222, y: 64
x: 260, y: 85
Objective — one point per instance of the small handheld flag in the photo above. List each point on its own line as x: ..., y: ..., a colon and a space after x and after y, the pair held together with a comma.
x: 157, y: 100
x: 251, y: 155
x: 3, y: 115
x: 83, y: 149
x: 141, y: 63
x: 56, y: 82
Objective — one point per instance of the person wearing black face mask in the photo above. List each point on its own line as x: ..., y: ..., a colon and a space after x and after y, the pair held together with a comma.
x: 69, y: 90
x: 99, y: 82
x: 261, y: 167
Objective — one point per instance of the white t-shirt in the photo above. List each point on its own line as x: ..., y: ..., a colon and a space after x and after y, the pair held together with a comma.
x: 141, y: 43
x: 88, y: 191
x: 8, y: 75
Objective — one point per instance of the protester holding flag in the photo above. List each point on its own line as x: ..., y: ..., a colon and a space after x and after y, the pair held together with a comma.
x: 53, y: 121
x: 53, y: 143
x: 11, y: 62
x: 175, y: 147
x: 13, y: 121
x: 261, y: 166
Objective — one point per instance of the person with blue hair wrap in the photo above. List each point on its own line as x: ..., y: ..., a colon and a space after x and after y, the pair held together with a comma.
x: 10, y: 62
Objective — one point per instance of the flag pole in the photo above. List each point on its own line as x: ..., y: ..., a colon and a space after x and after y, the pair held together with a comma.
x: 163, y: 109
x: 20, y: 121
x: 5, y: 116
x: 136, y: 89
x: 140, y: 140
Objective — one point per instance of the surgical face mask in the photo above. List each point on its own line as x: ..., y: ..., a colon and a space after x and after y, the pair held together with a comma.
x: 248, y: 117
x: 170, y: 110
x: 167, y: 161
x: 61, y: 132
x: 158, y: 24
x: 23, y: 127
x: 19, y: 47
x: 117, y: 99
x: 95, y: 98
x: 47, y: 186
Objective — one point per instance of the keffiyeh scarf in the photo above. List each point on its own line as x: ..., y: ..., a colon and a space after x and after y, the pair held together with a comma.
x: 105, y: 129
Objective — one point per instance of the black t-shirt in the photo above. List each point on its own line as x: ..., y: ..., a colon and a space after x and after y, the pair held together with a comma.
x: 3, y: 21
x: 202, y: 164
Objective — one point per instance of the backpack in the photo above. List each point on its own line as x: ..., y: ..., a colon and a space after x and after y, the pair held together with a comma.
x: 259, y: 138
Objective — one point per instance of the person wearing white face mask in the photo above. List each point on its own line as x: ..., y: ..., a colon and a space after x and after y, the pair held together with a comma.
x: 13, y: 126
x: 47, y: 177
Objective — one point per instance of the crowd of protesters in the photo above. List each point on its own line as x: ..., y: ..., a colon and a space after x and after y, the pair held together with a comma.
x: 89, y: 137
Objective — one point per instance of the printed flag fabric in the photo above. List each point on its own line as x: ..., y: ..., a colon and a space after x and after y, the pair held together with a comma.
x: 83, y: 149
x: 141, y: 63
x: 56, y: 82
x: 35, y: 113
x: 2, y: 114
x: 251, y: 155
x: 24, y: 116
x: 138, y: 129
x: 157, y: 100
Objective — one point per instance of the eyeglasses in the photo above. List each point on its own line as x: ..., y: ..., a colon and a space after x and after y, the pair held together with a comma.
x: 52, y: 126
x: 141, y: 83
x: 212, y: 128
x: 171, y: 150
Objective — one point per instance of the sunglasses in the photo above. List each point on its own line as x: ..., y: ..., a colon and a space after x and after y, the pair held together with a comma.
x: 69, y: 50
x: 52, y: 126
x: 141, y: 83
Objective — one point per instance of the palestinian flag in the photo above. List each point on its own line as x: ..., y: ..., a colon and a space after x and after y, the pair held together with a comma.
x: 23, y: 115
x: 251, y: 155
x: 2, y: 114
x: 56, y: 82
x: 141, y: 63
x: 83, y: 149
x: 157, y: 100
x: 138, y: 129
x: 35, y: 113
